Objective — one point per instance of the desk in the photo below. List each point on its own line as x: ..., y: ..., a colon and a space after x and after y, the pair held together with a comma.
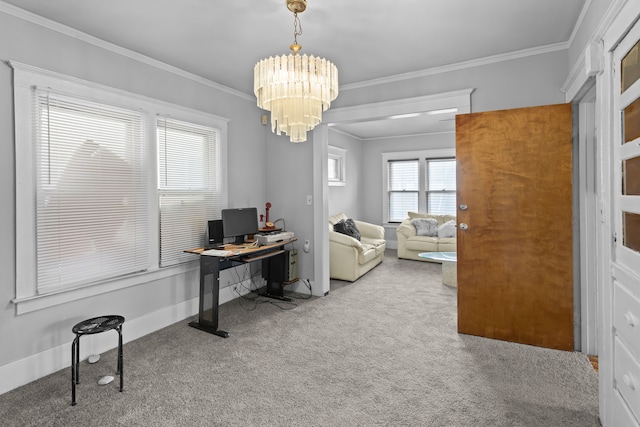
x: 210, y: 267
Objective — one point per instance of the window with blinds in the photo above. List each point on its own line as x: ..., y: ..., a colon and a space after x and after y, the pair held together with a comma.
x: 419, y: 181
x: 91, y: 219
x: 403, y: 188
x: 189, y: 186
x: 440, y: 186
x: 109, y: 192
x: 337, y: 167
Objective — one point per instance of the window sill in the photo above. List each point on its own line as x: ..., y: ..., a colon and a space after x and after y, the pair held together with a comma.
x: 39, y: 302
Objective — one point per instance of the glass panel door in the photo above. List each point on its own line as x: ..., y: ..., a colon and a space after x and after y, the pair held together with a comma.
x: 627, y: 151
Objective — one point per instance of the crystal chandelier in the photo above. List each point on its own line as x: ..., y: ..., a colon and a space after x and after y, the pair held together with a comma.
x: 295, y: 88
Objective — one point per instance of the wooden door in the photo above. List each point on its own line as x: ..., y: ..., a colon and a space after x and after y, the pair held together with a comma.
x: 515, y: 261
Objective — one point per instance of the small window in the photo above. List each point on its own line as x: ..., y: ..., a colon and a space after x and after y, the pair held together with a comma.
x: 337, y: 166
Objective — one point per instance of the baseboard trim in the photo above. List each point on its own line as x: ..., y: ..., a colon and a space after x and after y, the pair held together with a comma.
x: 36, y: 366
x: 39, y: 365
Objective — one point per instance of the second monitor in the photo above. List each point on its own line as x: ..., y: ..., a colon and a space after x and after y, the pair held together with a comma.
x: 239, y: 222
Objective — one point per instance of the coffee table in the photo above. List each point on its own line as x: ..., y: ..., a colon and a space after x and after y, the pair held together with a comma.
x: 449, y: 261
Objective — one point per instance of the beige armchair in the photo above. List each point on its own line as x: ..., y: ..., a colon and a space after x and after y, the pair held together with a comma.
x: 349, y: 258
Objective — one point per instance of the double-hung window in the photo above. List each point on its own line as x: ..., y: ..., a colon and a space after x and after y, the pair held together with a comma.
x: 90, y: 190
x: 440, y: 187
x: 422, y: 181
x: 403, y: 188
x: 111, y: 187
x: 189, y: 185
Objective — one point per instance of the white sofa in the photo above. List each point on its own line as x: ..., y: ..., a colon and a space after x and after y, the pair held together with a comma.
x: 349, y: 258
x: 410, y: 244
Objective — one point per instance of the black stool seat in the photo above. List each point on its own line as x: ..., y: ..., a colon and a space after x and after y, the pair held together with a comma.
x: 97, y: 325
x: 88, y: 327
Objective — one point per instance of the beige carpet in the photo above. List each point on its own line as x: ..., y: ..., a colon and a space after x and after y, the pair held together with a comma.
x: 381, y: 351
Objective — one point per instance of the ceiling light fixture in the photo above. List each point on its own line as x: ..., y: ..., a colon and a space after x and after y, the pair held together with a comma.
x: 405, y: 116
x: 445, y: 111
x: 295, y: 88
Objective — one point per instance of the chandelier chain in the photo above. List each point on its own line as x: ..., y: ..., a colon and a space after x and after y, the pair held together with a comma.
x: 297, y: 27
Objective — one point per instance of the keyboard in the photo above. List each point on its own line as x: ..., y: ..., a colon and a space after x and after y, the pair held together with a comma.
x: 218, y: 252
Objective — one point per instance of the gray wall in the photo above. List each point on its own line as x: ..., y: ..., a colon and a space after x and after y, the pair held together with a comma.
x: 371, y: 198
x: 289, y: 181
x: 521, y: 82
x: 346, y: 198
x: 33, y: 333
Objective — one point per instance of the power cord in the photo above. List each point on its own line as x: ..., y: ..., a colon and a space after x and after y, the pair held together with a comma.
x: 284, y: 226
x: 308, y: 285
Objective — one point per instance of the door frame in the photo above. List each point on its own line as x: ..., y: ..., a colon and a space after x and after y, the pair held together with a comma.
x: 587, y: 218
x: 595, y: 64
x: 460, y: 99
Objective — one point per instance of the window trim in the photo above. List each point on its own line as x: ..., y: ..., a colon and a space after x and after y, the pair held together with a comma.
x: 422, y: 155
x: 25, y: 78
x: 340, y: 154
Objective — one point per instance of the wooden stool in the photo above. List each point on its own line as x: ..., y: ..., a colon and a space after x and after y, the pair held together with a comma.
x: 88, y: 327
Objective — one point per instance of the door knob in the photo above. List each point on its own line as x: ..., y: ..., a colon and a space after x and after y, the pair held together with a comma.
x: 463, y: 207
x: 464, y: 226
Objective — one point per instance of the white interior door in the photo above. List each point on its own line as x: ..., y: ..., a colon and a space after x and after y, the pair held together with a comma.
x: 626, y: 166
x: 625, y: 221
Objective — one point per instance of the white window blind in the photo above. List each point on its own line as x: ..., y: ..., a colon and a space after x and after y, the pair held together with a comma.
x: 337, y: 166
x: 441, y: 186
x: 403, y: 188
x: 334, y: 169
x: 189, y: 186
x: 91, y: 191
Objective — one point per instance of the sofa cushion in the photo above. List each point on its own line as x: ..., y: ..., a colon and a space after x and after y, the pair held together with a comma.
x: 337, y: 217
x: 412, y: 215
x: 422, y: 243
x: 447, y: 245
x: 448, y: 229
x: 425, y: 226
x: 348, y: 227
x: 368, y: 254
x: 378, y: 244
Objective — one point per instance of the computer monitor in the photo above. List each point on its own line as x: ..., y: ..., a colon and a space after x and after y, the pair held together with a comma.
x: 239, y: 222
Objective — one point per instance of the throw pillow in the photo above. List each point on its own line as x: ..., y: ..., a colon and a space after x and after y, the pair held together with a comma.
x: 448, y: 229
x: 425, y: 226
x: 348, y: 227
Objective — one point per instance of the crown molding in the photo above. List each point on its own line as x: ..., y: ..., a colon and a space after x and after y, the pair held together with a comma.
x: 458, y: 66
x: 79, y: 35
x: 581, y: 72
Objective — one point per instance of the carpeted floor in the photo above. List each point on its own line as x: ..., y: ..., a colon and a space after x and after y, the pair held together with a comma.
x: 381, y: 351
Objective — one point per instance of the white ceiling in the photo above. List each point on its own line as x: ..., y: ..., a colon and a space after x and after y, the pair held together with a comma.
x: 366, y: 39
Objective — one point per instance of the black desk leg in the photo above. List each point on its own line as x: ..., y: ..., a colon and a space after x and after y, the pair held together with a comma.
x: 209, y: 296
x: 75, y: 379
x: 120, y: 357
